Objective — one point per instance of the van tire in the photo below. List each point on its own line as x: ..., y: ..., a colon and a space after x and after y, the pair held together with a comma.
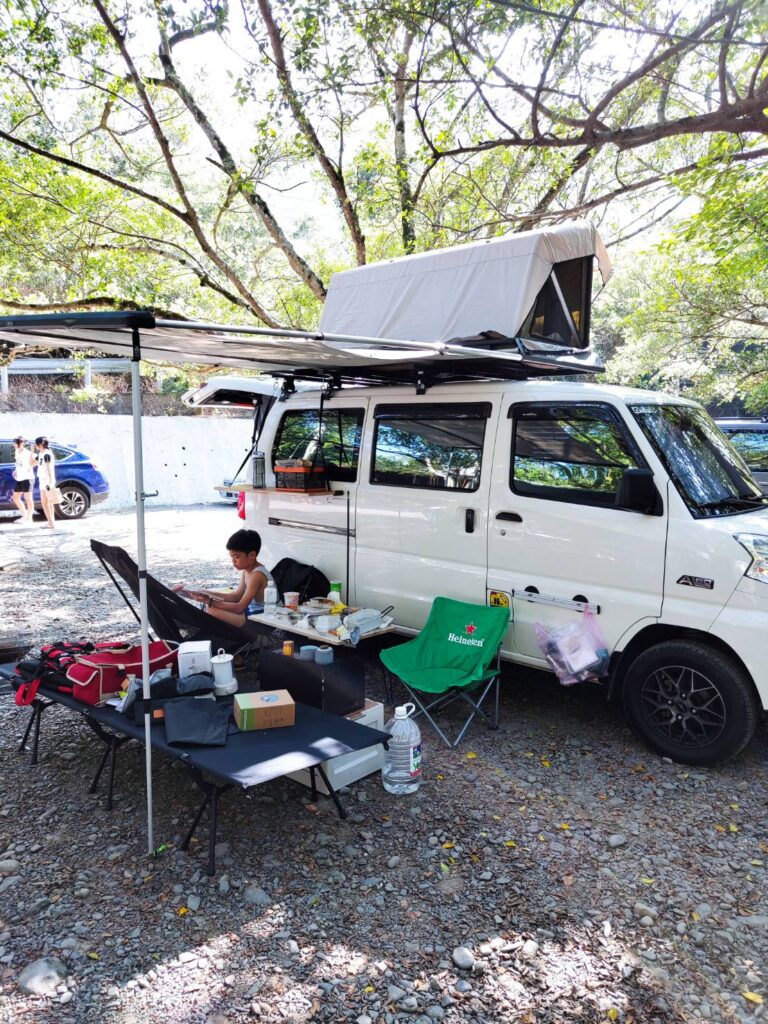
x: 690, y: 702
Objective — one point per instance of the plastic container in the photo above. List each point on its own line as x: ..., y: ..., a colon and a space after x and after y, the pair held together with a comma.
x: 401, y: 773
x: 259, y: 470
x: 324, y: 655
x: 270, y: 598
x: 291, y: 598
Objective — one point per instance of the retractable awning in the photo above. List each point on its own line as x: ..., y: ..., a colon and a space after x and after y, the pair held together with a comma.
x: 305, y: 355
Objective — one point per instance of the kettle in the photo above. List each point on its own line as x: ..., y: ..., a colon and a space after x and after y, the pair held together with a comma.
x: 224, y: 682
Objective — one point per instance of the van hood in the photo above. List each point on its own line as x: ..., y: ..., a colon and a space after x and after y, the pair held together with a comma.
x: 744, y: 522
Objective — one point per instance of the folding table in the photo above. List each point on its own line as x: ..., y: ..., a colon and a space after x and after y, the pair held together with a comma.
x: 248, y: 759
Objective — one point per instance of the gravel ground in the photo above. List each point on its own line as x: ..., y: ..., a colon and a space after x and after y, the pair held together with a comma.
x: 553, y: 871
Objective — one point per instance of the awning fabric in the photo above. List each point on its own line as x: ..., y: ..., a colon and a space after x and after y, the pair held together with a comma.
x: 457, y: 292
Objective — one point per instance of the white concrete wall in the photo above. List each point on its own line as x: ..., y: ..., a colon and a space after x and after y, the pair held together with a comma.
x: 184, y: 456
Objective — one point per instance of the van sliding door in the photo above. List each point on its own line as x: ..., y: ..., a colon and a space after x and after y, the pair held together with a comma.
x: 315, y: 528
x: 422, y: 510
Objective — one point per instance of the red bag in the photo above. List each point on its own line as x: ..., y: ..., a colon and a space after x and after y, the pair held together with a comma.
x: 241, y: 505
x: 97, y: 676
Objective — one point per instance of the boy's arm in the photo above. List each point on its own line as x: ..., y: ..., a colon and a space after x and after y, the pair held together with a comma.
x: 253, y: 590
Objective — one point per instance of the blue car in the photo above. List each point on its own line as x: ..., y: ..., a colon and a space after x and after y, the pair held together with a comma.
x: 80, y: 482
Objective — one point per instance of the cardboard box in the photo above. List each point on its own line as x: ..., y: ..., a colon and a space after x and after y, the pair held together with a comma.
x: 194, y: 656
x: 267, y: 709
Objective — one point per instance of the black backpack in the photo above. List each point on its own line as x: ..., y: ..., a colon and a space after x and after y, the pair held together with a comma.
x: 306, y: 580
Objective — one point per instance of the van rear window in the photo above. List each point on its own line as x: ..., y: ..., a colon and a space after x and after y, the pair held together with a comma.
x: 430, y: 446
x: 299, y: 434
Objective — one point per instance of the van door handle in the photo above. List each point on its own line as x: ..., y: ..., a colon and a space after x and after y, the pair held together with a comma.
x: 509, y: 517
x: 469, y: 520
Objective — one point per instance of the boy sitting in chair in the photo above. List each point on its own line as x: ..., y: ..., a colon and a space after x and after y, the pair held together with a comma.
x: 234, y: 606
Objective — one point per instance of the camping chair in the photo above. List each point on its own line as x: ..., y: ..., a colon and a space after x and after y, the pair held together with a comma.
x: 171, y: 617
x: 455, y: 657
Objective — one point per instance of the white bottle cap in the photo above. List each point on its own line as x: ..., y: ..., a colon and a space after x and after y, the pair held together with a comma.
x: 404, y: 710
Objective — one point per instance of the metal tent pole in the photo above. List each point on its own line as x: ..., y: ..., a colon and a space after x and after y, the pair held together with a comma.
x: 138, y: 462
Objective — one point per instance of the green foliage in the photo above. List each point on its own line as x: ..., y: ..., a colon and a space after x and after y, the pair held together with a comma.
x: 692, y: 316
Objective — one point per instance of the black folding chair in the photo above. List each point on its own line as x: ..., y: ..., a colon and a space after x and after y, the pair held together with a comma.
x: 171, y: 617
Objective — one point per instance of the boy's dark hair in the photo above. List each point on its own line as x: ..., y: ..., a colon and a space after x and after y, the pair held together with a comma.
x: 245, y: 541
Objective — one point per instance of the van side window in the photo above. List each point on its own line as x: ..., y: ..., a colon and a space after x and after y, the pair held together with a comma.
x: 752, y: 445
x: 430, y: 445
x: 299, y: 432
x: 6, y: 453
x: 569, y: 452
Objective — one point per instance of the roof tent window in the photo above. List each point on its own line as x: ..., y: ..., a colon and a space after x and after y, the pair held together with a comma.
x: 560, y: 314
x: 429, y: 446
x: 299, y: 433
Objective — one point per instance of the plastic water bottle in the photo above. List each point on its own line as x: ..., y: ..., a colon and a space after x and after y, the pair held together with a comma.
x: 270, y: 598
x: 401, y: 773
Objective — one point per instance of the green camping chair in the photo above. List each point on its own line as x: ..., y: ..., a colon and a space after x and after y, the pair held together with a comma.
x: 455, y: 657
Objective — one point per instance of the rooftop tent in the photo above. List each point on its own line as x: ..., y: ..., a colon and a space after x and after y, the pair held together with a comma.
x: 503, y: 309
x: 509, y: 287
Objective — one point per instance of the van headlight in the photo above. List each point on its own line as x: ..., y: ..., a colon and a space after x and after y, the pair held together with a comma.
x: 757, y: 545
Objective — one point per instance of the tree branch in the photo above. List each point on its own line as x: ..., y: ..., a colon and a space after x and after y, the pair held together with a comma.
x: 94, y: 172
x: 164, y: 146
x: 92, y: 302
x: 332, y: 171
x: 256, y: 203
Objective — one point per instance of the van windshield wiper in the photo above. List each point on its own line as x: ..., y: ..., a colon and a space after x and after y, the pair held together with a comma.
x: 734, y: 499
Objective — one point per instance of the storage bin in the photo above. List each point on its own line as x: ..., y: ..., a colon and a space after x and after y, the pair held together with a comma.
x: 301, y: 478
x: 338, y: 689
x: 349, y: 768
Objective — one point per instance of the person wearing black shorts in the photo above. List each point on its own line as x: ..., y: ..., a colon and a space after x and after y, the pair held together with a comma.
x: 24, y: 473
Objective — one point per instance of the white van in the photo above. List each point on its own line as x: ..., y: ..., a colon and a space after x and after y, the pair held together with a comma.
x: 550, y: 496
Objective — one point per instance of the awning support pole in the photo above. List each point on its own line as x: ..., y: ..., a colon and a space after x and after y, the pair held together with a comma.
x: 138, y: 464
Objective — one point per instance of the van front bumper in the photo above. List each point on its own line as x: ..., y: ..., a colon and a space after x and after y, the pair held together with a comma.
x: 743, y: 625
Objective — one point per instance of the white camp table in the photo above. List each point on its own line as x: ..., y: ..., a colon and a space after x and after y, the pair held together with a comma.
x: 284, y: 623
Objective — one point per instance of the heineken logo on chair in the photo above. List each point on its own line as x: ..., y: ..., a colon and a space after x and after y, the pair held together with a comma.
x: 468, y: 638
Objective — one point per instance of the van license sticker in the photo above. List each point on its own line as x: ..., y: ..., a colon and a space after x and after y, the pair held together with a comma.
x: 697, y: 581
x: 498, y: 599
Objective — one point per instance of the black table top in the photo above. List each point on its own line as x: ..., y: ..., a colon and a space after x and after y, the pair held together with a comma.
x: 249, y: 758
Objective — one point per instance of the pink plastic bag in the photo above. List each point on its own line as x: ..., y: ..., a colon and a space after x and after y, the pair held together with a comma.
x: 577, y: 652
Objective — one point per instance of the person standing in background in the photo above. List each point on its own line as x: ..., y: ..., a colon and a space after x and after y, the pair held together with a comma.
x: 46, y: 479
x: 24, y: 475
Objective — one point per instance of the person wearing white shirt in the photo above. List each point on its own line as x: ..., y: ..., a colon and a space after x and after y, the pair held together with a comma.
x: 24, y: 475
x: 46, y: 479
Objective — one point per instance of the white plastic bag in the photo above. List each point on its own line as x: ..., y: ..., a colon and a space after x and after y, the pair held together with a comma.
x: 576, y: 652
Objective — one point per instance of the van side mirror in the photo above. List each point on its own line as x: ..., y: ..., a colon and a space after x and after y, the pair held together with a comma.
x: 637, y: 492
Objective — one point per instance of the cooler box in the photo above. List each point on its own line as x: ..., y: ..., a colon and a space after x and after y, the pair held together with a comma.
x: 349, y: 768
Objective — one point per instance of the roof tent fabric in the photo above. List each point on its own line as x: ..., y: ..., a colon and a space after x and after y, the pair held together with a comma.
x: 458, y: 292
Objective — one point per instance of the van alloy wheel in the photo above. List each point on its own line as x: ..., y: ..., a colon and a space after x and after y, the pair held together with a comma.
x: 691, y: 702
x: 684, y: 705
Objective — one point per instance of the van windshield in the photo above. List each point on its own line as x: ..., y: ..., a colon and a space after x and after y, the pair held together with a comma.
x: 709, y: 473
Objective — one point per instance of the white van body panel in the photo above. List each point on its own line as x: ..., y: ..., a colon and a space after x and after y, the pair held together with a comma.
x: 409, y: 544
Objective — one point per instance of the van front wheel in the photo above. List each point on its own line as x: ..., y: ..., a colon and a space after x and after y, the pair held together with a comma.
x: 690, y: 702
